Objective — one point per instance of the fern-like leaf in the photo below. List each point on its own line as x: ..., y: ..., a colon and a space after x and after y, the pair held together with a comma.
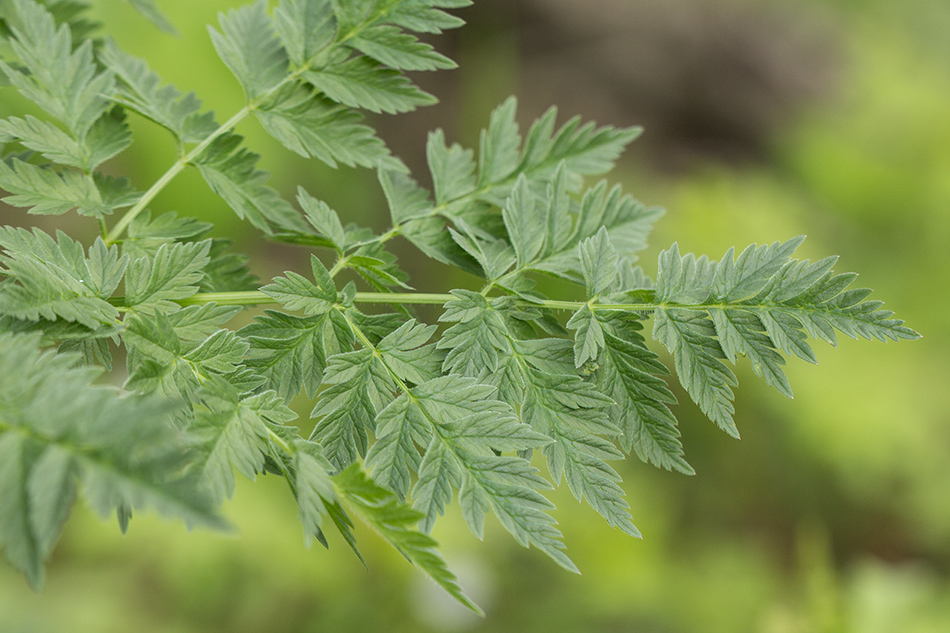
x: 59, y: 435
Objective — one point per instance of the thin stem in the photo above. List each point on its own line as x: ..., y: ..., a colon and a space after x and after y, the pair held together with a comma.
x: 339, y: 265
x: 254, y: 297
x: 277, y: 439
x: 228, y: 125
x: 247, y: 298
x: 173, y: 171
x: 402, y: 298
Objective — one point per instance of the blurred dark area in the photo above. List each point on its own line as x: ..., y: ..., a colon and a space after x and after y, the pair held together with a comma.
x: 708, y: 80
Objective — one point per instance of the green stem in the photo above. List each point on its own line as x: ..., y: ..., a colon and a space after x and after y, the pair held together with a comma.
x: 228, y: 125
x: 287, y: 448
x: 173, y: 171
x: 254, y: 297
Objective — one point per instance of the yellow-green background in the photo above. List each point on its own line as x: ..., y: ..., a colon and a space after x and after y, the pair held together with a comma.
x: 832, y: 514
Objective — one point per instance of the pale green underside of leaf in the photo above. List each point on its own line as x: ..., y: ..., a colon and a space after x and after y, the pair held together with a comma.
x: 155, y: 283
x: 530, y: 181
x: 362, y: 83
x: 395, y: 522
x: 48, y: 192
x: 229, y: 170
x: 250, y: 48
x: 757, y: 304
x: 232, y: 434
x: 54, y: 279
x: 58, y: 432
x: 61, y: 80
x: 319, y: 128
x: 141, y: 90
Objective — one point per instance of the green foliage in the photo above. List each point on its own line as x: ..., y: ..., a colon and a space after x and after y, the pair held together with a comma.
x: 406, y: 417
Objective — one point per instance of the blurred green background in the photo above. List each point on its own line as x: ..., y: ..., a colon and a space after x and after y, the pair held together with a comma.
x: 764, y: 120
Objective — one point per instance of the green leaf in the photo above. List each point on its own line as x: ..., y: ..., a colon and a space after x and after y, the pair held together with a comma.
x: 406, y: 199
x: 742, y: 333
x: 297, y: 293
x: 58, y: 431
x: 400, y: 427
x: 495, y: 257
x: 229, y: 169
x: 306, y: 27
x: 313, y: 126
x: 51, y: 492
x: 155, y: 283
x: 53, y: 280
x: 390, y: 46
x: 250, y: 48
x: 314, y: 487
x: 476, y: 340
x: 452, y: 168
x: 505, y: 485
x: 589, y: 338
x: 684, y: 280
x: 573, y: 414
x: 196, y: 323
x: 755, y: 305
x: 108, y: 136
x: 221, y: 352
x: 17, y: 537
x: 408, y: 356
x: 499, y: 147
x: 362, y: 83
x: 49, y: 192
x: 691, y: 338
x: 117, y: 193
x: 226, y: 272
x: 395, y: 522
x: 629, y: 373
x: 745, y: 277
x: 288, y: 351
x: 426, y: 16
x: 322, y: 218
x: 154, y: 358
x: 354, y: 14
x: 467, y: 425
x: 141, y: 90
x: 232, y: 434
x: 45, y: 138
x: 626, y: 221
x: 585, y: 149
x: 359, y: 387
x: 146, y: 235
x: 439, y: 474
x: 522, y: 216
x: 104, y: 267
x: 827, y: 305
x: 63, y: 81
x: 598, y: 263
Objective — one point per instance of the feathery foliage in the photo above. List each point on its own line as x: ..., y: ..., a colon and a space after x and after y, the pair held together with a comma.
x: 407, y: 417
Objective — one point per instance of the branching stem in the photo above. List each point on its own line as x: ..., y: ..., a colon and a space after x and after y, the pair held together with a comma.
x: 173, y: 171
x: 228, y: 125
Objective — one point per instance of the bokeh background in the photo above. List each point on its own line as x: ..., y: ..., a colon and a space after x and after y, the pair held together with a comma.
x: 764, y: 119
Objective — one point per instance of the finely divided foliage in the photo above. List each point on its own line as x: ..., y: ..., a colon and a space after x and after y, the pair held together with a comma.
x: 407, y: 417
